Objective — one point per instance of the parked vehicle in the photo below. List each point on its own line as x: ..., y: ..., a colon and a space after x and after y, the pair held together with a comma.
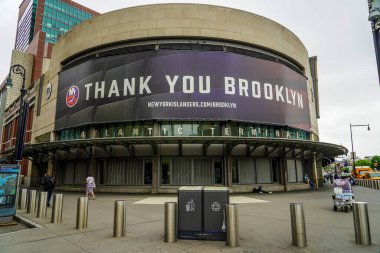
x: 360, y: 171
x: 372, y: 175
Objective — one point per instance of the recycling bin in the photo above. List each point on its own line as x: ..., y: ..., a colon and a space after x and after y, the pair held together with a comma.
x: 214, y: 212
x: 201, y: 212
x: 190, y: 210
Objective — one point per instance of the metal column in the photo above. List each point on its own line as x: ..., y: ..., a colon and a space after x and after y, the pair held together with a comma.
x: 31, y: 201
x: 23, y: 195
x: 56, y: 214
x: 361, y: 223
x: 298, y: 225
x: 232, y: 219
x: 42, y: 205
x: 120, y: 218
x: 82, y: 213
x: 170, y: 226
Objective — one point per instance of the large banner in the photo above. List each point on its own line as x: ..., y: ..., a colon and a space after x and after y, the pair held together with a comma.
x: 182, y: 85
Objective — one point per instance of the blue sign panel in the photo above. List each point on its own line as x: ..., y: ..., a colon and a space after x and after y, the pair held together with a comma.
x: 8, y: 188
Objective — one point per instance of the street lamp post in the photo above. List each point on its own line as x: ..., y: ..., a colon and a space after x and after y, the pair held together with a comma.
x: 352, y: 143
x: 19, y: 70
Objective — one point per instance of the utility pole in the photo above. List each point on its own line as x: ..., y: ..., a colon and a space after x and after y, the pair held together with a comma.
x: 374, y: 17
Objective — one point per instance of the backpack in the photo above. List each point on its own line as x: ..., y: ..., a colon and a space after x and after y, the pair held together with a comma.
x: 49, y: 183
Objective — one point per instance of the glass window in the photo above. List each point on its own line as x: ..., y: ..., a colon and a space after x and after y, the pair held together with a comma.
x: 128, y: 129
x: 148, y: 165
x: 218, y: 172
x: 105, y: 131
x: 275, y: 170
x: 235, y: 171
x: 72, y: 134
x: 120, y: 130
x: 83, y: 133
x: 234, y: 129
x: 147, y: 129
x: 77, y: 133
x: 62, y: 135
x: 188, y: 129
x: 166, y: 129
x: 136, y: 131
x: 209, y: 129
x: 165, y: 171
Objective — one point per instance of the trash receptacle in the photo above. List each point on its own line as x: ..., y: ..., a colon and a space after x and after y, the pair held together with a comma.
x: 214, y: 213
x: 190, y: 210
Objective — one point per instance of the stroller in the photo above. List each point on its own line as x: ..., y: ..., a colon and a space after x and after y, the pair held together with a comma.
x: 342, y: 197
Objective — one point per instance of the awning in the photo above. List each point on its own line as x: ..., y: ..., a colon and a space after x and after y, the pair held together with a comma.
x: 325, y: 149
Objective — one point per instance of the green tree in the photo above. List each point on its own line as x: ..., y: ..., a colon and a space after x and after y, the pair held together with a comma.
x: 375, y: 162
x: 362, y: 163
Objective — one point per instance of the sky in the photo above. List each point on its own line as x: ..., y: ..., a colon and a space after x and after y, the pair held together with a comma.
x: 335, y: 31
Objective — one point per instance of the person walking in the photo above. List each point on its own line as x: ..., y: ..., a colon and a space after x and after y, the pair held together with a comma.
x: 48, y: 184
x: 90, y: 185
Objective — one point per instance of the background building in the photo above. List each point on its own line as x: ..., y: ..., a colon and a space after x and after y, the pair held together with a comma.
x: 53, y: 17
x: 40, y: 23
x: 154, y: 97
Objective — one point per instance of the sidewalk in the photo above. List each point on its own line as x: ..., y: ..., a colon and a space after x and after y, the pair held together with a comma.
x: 264, y: 226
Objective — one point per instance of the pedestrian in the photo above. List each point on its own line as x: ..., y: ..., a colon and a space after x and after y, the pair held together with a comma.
x: 311, y: 184
x: 306, y: 179
x: 48, y: 184
x: 260, y: 190
x: 90, y: 185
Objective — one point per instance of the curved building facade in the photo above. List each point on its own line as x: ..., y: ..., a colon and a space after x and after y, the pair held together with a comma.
x: 154, y: 97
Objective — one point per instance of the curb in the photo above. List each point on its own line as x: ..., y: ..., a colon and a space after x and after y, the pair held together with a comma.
x: 26, y: 222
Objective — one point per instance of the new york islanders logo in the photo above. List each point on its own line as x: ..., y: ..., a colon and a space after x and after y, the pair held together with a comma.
x: 72, y: 96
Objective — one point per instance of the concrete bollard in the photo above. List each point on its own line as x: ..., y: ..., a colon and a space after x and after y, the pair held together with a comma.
x: 298, y: 225
x: 42, y: 202
x: 232, y: 220
x: 56, y: 214
x: 170, y: 223
x: 120, y: 218
x: 82, y: 213
x: 31, y: 201
x: 23, y: 195
x: 378, y: 184
x: 361, y: 223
